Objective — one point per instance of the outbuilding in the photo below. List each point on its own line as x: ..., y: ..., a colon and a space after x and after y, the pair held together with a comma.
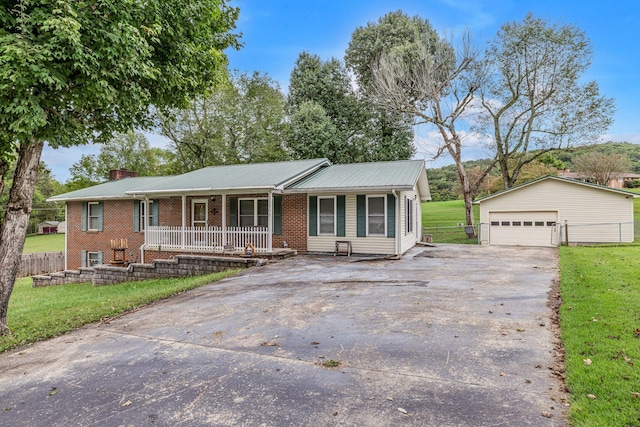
x: 552, y: 210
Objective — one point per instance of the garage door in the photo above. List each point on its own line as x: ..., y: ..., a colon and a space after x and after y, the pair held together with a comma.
x: 523, y: 228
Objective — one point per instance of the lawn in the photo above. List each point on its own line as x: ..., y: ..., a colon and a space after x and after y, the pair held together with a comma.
x: 600, y: 322
x: 43, y: 243
x: 441, y: 219
x: 39, y: 313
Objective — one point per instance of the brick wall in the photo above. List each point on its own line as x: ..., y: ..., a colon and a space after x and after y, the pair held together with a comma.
x: 294, y: 222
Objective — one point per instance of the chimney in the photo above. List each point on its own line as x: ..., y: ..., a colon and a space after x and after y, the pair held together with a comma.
x: 116, y: 174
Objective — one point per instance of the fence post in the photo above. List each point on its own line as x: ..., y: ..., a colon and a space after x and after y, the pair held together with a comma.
x: 620, y: 232
x: 566, y: 232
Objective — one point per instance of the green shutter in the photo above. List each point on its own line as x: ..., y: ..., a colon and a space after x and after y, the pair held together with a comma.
x: 84, y: 216
x: 277, y: 215
x: 233, y: 211
x: 83, y: 257
x: 100, y: 258
x: 136, y: 215
x: 340, y: 211
x: 313, y: 215
x: 100, y: 216
x: 391, y: 215
x: 361, y: 215
x: 155, y: 212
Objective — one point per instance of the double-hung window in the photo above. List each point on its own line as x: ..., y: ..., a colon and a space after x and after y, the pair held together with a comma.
x: 409, y: 209
x: 327, y: 215
x: 143, y: 214
x: 199, y: 212
x: 376, y: 220
x: 93, y: 216
x: 253, y: 212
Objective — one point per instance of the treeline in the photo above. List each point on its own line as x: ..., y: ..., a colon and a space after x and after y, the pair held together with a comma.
x: 444, y: 185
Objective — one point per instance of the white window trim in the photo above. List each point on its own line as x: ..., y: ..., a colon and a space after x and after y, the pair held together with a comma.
x: 143, y: 208
x: 89, y: 204
x: 206, y: 211
x: 409, y: 215
x: 384, y: 198
x: 97, y: 258
x: 335, y: 215
x: 255, y: 209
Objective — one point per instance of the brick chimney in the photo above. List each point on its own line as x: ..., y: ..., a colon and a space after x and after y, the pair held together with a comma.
x: 116, y: 174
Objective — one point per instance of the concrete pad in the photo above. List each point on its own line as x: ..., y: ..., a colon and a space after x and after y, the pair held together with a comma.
x: 455, y: 335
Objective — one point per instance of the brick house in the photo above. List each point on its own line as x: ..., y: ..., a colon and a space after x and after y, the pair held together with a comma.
x: 306, y: 205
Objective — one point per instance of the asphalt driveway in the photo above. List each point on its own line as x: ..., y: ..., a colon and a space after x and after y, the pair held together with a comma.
x: 454, y: 335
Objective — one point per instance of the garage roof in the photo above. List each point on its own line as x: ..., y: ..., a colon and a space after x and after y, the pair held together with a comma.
x: 557, y: 178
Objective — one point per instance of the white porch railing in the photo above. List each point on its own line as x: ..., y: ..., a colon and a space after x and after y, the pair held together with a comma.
x: 207, y: 238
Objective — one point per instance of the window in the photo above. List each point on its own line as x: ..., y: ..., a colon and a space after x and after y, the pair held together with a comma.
x: 516, y: 223
x: 505, y: 223
x: 495, y: 223
x: 539, y: 223
x: 143, y: 213
x: 528, y: 223
x: 93, y: 216
x: 376, y: 215
x: 199, y: 212
x: 327, y: 215
x: 551, y: 223
x: 409, y: 207
x: 93, y: 258
x: 253, y: 212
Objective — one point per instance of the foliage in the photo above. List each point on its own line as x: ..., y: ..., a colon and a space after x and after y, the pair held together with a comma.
x: 129, y: 151
x: 40, y: 313
x: 357, y: 129
x: 599, y: 322
x: 532, y: 97
x: 600, y: 168
x: 44, y: 243
x: 241, y: 121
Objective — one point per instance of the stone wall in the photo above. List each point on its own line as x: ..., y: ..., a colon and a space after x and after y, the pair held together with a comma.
x: 181, y: 266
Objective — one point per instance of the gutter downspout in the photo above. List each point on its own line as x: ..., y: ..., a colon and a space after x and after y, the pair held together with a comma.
x: 397, y: 224
x: 66, y: 242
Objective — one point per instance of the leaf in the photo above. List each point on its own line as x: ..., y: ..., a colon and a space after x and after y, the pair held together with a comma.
x: 592, y: 396
x: 127, y: 403
x: 587, y: 361
x: 404, y: 411
x: 53, y: 391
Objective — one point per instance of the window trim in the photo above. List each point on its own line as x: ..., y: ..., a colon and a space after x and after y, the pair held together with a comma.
x: 89, y: 216
x: 409, y: 208
x: 256, y: 214
x: 141, y: 217
x: 335, y: 215
x: 206, y: 212
x: 384, y: 210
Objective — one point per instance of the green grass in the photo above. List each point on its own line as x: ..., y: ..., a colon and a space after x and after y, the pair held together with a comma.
x: 40, y: 313
x: 441, y: 219
x: 600, y: 322
x: 43, y: 243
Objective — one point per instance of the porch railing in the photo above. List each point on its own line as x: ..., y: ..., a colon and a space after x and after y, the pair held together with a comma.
x: 207, y: 238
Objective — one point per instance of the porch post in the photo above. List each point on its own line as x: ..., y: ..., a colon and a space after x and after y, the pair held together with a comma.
x: 224, y: 220
x: 270, y: 224
x: 184, y: 219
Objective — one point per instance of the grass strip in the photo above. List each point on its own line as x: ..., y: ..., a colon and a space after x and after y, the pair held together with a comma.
x: 39, y: 313
x: 600, y: 322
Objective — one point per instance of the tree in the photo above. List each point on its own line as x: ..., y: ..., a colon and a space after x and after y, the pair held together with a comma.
x: 73, y: 72
x: 312, y: 134
x: 241, y: 121
x: 129, y: 150
x: 532, y: 97
x: 600, y: 168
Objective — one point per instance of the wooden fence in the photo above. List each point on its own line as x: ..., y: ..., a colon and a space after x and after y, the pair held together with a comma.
x: 41, y: 263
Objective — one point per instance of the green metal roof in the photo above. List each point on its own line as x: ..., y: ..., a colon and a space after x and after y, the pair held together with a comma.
x: 108, y: 190
x: 377, y: 176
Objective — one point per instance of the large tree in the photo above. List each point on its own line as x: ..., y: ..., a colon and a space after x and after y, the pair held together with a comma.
x: 533, y: 98
x: 600, y: 168
x: 240, y: 121
x: 73, y: 72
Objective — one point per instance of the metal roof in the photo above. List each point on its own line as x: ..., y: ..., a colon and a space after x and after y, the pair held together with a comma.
x: 108, y: 190
x: 376, y: 176
x: 557, y: 178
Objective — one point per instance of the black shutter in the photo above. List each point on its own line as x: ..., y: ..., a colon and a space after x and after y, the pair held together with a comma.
x: 361, y: 214
x: 313, y: 215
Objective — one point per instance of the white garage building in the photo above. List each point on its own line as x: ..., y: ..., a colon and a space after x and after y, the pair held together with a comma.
x: 553, y: 210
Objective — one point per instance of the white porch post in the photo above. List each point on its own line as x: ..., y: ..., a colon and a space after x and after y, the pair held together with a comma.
x: 184, y: 219
x: 224, y: 220
x: 270, y: 224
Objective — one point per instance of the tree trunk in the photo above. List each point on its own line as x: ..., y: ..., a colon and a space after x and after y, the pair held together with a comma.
x: 14, y: 228
x: 463, y: 178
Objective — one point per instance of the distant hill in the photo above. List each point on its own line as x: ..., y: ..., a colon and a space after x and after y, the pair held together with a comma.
x: 443, y: 181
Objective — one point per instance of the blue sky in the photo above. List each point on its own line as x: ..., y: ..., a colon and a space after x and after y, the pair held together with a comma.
x: 276, y: 31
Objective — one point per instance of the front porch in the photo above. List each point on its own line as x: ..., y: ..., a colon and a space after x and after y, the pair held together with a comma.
x: 209, y: 239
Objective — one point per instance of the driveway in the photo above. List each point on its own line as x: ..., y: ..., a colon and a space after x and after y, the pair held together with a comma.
x: 456, y: 335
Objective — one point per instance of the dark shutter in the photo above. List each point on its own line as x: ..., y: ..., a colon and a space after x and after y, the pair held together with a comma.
x: 83, y: 259
x: 100, y: 258
x: 277, y: 215
x: 391, y: 215
x: 100, y: 216
x: 340, y: 210
x: 361, y: 215
x: 233, y: 211
x: 85, y: 207
x: 313, y: 215
x: 136, y: 215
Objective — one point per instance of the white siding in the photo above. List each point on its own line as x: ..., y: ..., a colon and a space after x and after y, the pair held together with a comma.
x: 593, y: 214
x: 409, y: 240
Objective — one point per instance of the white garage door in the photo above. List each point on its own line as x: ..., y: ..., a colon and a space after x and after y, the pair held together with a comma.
x: 523, y: 228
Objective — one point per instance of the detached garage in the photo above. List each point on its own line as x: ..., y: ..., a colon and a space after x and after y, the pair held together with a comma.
x: 550, y: 210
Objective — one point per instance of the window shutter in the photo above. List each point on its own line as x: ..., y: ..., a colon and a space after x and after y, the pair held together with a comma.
x: 340, y: 213
x: 277, y: 215
x: 233, y: 211
x: 84, y: 216
x: 313, y: 215
x: 391, y: 215
x: 136, y: 215
x: 83, y: 262
x: 155, y: 212
x: 361, y: 214
x: 100, y: 258
x: 100, y: 216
